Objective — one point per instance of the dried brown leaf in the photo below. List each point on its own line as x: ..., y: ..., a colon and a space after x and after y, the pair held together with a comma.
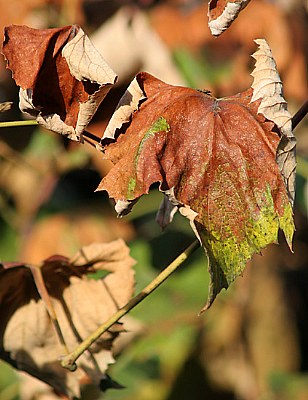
x: 62, y: 77
x: 215, y: 160
x: 28, y: 340
x: 222, y: 13
x: 127, y: 105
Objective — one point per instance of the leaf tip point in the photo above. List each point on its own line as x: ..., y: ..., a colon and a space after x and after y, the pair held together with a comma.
x: 206, y: 307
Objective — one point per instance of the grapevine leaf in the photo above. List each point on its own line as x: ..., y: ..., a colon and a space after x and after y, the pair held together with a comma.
x: 62, y: 77
x: 215, y: 161
x: 27, y: 337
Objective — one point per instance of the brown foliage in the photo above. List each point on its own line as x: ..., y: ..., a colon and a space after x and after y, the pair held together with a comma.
x: 215, y: 160
x: 63, y: 78
x: 60, y: 294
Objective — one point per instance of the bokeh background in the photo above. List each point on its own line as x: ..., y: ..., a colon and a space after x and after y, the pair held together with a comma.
x: 253, y: 343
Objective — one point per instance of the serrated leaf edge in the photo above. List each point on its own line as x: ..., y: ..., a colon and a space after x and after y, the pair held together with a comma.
x: 267, y: 87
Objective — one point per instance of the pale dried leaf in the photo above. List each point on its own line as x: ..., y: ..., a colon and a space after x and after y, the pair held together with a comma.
x: 32, y: 389
x: 54, y: 123
x: 113, y: 257
x: 126, y: 106
x: 267, y: 87
x: 124, y: 207
x: 221, y: 14
x: 86, y: 63
x: 28, y: 340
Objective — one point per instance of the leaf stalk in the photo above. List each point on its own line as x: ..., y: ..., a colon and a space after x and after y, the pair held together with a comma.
x: 9, y: 124
x: 299, y: 115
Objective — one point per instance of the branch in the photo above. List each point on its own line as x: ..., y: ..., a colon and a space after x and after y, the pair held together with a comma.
x: 69, y: 361
x: 90, y: 135
x: 301, y: 113
x: 9, y: 124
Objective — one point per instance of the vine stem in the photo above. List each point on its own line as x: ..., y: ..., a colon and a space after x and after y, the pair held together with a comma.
x: 69, y: 361
x: 9, y: 124
x: 33, y: 122
x: 299, y: 115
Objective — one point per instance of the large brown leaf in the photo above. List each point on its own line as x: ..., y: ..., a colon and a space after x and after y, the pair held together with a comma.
x: 215, y: 160
x: 27, y: 337
x: 62, y: 77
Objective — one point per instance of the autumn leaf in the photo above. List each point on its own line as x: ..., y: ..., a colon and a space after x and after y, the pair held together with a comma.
x: 222, y: 13
x: 28, y: 340
x: 215, y: 160
x: 267, y: 86
x: 62, y: 77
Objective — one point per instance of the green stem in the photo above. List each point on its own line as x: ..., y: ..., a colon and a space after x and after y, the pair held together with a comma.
x: 9, y: 124
x: 69, y: 361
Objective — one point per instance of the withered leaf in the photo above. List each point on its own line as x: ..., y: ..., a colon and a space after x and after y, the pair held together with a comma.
x: 267, y: 86
x: 222, y: 13
x: 27, y: 337
x: 62, y: 77
x: 215, y: 160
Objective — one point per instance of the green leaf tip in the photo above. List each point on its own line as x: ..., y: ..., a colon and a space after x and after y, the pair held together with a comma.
x: 229, y: 254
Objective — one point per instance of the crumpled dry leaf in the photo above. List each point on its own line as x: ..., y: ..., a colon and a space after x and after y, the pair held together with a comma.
x: 215, y: 160
x: 127, y: 105
x: 31, y: 388
x: 28, y: 340
x: 222, y: 13
x: 62, y: 77
x: 267, y: 86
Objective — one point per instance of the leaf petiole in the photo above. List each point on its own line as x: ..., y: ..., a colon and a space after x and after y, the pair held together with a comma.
x: 69, y: 361
x: 32, y: 122
x: 9, y: 124
x: 299, y: 115
x: 90, y: 135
